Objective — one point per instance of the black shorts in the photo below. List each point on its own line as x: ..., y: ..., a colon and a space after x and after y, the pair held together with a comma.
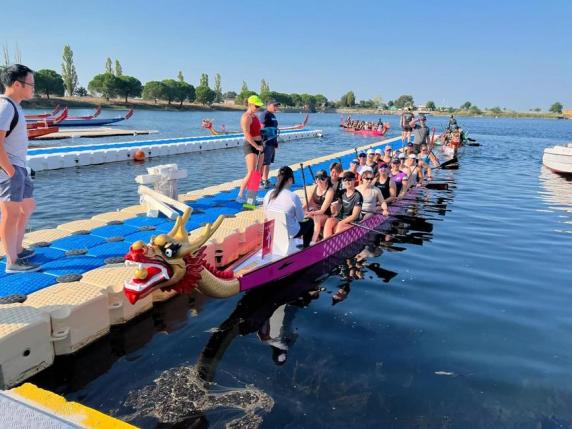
x: 407, y: 129
x: 247, y: 149
x: 269, y: 152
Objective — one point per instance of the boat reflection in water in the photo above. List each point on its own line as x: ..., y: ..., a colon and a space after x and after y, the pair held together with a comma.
x: 558, y: 190
x: 187, y: 395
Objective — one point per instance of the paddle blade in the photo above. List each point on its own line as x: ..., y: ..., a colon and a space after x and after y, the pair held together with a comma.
x: 452, y: 164
x: 252, y: 190
x: 437, y: 186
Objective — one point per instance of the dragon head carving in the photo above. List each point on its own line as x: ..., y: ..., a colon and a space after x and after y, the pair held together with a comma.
x: 207, y: 123
x: 168, y: 261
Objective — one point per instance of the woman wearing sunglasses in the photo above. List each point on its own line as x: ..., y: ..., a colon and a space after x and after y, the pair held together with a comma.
x: 348, y: 207
x: 319, y: 203
x: 372, y: 197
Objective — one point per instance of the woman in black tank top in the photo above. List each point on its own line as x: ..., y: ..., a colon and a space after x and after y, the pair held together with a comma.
x: 319, y: 204
x: 386, y: 185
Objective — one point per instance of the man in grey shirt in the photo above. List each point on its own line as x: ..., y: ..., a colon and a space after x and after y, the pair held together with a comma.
x: 420, y: 133
x: 16, y: 202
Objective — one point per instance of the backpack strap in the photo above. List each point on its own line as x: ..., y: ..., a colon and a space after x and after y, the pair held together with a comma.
x: 15, y: 118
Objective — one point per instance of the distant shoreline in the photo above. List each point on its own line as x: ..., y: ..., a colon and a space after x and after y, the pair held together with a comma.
x: 93, y: 102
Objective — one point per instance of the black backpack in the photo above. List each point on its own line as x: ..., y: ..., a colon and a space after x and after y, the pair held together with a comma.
x: 16, y: 117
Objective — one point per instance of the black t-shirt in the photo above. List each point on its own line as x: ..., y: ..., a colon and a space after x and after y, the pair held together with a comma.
x: 270, y: 128
x: 348, y: 204
x: 375, y: 168
x: 338, y: 190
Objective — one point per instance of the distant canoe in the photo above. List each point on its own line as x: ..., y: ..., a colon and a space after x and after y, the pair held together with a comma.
x: 34, y: 133
x: 79, y: 122
x: 209, y: 125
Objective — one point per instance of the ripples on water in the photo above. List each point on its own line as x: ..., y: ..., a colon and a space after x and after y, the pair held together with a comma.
x: 456, y: 315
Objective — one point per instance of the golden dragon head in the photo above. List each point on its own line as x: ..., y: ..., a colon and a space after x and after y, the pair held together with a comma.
x: 169, y: 261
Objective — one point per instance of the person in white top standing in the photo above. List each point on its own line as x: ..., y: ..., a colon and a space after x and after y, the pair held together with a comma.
x: 16, y: 188
x: 282, y: 199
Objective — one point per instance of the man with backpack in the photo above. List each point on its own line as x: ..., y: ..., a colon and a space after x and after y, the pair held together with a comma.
x: 16, y: 188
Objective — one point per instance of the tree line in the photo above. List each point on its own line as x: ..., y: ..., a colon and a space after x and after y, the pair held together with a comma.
x: 113, y: 83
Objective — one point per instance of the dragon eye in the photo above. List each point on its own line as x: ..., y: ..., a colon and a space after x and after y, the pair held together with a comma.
x: 169, y: 252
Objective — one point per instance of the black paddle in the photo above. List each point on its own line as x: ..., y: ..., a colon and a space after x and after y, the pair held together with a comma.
x: 304, y: 183
x: 312, y: 173
x: 452, y: 164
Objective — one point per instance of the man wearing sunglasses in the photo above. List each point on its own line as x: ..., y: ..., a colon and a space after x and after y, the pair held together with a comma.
x: 16, y: 189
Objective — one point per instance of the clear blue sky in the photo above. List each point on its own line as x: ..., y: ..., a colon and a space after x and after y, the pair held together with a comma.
x: 512, y: 53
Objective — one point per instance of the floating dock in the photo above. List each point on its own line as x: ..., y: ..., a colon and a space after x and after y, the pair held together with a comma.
x: 54, y: 158
x: 78, y: 294
x: 28, y: 407
x: 68, y: 133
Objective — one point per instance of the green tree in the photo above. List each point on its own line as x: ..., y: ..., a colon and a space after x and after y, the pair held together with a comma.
x: 496, y: 110
x: 390, y: 103
x: 404, y: 101
x: 466, y: 105
x: 80, y: 92
x: 184, y: 91
x: 180, y: 76
x: 556, y: 107
x: 430, y: 105
x: 243, y: 94
x: 296, y: 100
x: 108, y: 67
x: 229, y: 95
x: 118, y: 69
x: 128, y: 86
x: 154, y: 90
x: 308, y: 102
x: 264, y: 90
x: 105, y: 84
x: 218, y: 88
x: 48, y: 82
x: 348, y: 99
x: 170, y: 90
x: 475, y: 110
x: 69, y: 74
x: 205, y: 95
x: 321, y: 101
x: 204, y: 80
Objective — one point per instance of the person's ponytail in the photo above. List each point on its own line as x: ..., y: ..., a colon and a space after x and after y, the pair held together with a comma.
x: 284, y: 174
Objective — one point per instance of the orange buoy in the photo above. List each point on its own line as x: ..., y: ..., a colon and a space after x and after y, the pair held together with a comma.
x: 139, y: 156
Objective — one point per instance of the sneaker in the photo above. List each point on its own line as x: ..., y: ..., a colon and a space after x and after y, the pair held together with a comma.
x: 26, y: 253
x: 21, y: 266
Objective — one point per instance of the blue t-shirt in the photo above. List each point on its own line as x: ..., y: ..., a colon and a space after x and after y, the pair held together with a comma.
x: 269, y: 128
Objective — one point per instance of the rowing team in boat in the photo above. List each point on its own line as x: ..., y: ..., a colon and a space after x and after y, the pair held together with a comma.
x: 338, y: 200
x: 361, y: 125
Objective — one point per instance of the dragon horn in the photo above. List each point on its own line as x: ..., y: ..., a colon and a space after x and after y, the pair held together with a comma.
x: 179, y: 232
x: 210, y: 229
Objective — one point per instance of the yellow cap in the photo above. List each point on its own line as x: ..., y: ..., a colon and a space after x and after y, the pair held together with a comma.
x: 255, y: 99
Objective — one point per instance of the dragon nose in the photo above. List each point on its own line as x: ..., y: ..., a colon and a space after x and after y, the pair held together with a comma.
x: 141, y: 273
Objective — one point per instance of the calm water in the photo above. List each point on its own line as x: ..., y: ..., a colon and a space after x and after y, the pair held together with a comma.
x: 457, y: 315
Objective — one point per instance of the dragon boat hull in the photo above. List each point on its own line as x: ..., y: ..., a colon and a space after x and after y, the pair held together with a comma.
x: 319, y: 252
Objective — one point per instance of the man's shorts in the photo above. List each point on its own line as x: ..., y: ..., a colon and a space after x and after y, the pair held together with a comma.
x: 269, y: 152
x: 16, y: 188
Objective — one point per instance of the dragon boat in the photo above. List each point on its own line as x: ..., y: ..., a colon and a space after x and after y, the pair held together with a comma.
x: 40, y: 116
x: 174, y: 262
x: 209, y: 125
x: 93, y: 121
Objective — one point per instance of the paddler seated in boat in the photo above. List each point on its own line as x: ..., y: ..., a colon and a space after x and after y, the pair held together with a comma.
x: 321, y: 197
x: 414, y: 172
x: 386, y: 185
x: 282, y: 199
x: 373, y: 201
x: 335, y: 178
x: 387, y: 154
x: 347, y: 209
x: 353, y: 168
x: 425, y: 159
x: 452, y: 125
x: 371, y: 162
x: 398, y: 177
x: 362, y: 157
